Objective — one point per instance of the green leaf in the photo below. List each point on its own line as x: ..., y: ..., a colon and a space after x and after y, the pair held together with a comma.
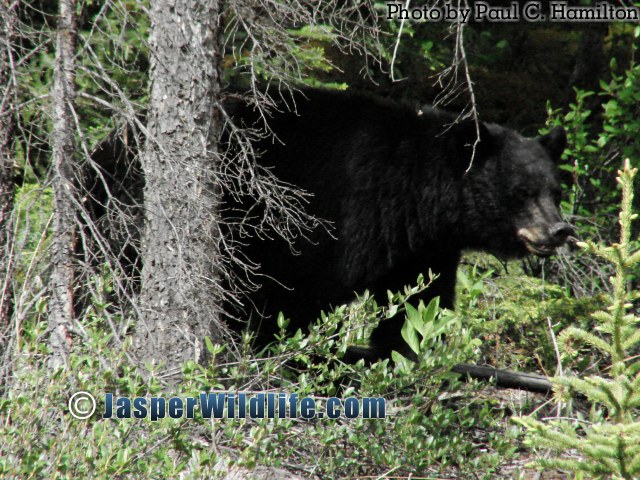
x: 410, y: 336
x: 210, y: 348
x: 429, y: 314
x: 415, y: 319
x: 283, y: 323
x: 401, y: 362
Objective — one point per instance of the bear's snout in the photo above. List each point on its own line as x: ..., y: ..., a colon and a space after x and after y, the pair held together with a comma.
x: 543, y: 241
x: 560, y: 232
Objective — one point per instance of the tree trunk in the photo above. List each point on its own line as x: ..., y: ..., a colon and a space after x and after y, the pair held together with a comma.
x: 181, y: 289
x: 590, y: 61
x: 7, y: 103
x: 64, y: 225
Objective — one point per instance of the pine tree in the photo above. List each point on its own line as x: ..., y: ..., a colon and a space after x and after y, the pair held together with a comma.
x: 608, y: 444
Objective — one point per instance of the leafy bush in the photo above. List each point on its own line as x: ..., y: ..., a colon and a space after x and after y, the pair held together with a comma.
x: 434, y: 422
x: 603, y: 127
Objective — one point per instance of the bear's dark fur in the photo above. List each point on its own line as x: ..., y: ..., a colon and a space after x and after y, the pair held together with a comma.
x: 394, y: 183
x: 403, y: 197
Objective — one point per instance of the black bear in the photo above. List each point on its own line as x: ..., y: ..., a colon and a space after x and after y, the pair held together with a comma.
x: 403, y: 194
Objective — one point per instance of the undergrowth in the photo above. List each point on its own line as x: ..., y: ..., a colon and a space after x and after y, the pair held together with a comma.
x: 434, y: 423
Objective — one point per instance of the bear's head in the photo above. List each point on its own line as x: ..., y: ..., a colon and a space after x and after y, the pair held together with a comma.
x: 511, y: 194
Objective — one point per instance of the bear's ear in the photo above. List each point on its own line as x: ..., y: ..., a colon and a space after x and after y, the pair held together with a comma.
x: 554, y: 142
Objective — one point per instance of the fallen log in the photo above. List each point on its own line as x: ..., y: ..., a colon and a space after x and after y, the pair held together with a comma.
x: 506, y: 378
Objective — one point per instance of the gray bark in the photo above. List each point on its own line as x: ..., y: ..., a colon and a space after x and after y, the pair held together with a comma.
x: 181, y: 290
x: 64, y: 225
x: 7, y: 91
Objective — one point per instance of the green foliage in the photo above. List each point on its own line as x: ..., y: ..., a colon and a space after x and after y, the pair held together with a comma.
x: 434, y: 422
x: 300, y: 58
x: 602, y: 126
x: 609, y: 443
x: 111, y: 77
x: 414, y: 51
x: 516, y: 315
x: 34, y: 205
x: 113, y: 69
x: 32, y: 209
